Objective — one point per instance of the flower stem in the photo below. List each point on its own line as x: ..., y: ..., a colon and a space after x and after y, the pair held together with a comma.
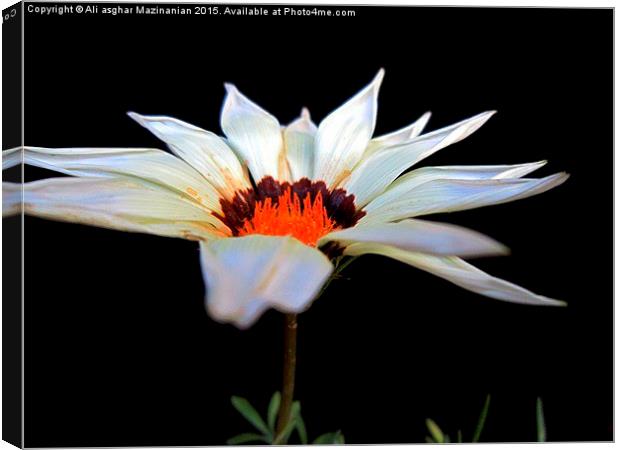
x: 288, y: 373
x: 290, y: 355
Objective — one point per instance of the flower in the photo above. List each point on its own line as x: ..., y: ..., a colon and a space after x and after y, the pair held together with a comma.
x: 273, y: 207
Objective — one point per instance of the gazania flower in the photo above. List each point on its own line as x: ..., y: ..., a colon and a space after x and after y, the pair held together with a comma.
x: 274, y: 207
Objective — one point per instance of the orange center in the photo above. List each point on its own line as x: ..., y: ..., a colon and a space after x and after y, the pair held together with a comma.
x: 307, y: 221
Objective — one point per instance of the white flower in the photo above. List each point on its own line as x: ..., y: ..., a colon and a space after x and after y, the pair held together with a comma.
x: 271, y: 205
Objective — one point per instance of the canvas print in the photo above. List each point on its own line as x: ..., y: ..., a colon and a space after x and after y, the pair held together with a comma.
x: 306, y: 224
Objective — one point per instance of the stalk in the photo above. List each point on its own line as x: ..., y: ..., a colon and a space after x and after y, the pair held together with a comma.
x: 288, y: 373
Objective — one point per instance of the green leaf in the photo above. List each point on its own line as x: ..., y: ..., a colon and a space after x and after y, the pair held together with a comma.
x: 329, y: 438
x: 248, y: 411
x: 246, y: 437
x: 272, y: 411
x: 435, y: 431
x: 459, y: 437
x: 541, y: 430
x: 429, y: 440
x: 340, y: 438
x: 300, y: 426
x: 482, y: 419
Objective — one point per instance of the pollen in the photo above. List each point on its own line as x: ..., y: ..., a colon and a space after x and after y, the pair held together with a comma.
x: 289, y: 215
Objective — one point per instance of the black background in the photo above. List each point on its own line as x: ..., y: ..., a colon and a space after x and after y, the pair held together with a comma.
x: 119, y: 349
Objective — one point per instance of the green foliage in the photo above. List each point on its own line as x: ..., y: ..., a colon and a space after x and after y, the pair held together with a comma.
x: 482, y: 419
x: 248, y: 411
x: 541, y: 430
x: 300, y: 426
x: 268, y: 427
x: 296, y: 424
x: 272, y: 412
x: 244, y: 438
x: 330, y: 439
x: 437, y: 436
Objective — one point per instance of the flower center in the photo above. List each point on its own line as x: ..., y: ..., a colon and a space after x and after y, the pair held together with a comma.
x: 304, y: 209
x: 288, y: 214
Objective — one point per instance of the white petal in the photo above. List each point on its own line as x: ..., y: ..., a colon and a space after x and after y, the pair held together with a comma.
x: 441, y: 196
x: 396, y: 137
x: 254, y: 134
x: 247, y: 275
x: 373, y: 175
x: 417, y: 177
x: 458, y: 272
x: 114, y: 203
x: 204, y: 151
x: 344, y: 134
x: 299, y: 143
x: 11, y: 157
x: 151, y: 167
x: 421, y: 236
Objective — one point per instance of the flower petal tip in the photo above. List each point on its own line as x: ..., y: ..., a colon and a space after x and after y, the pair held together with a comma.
x: 560, y: 178
x: 135, y: 116
x: 379, y: 76
x: 546, y: 301
x: 232, y: 99
x: 493, y: 248
x: 474, y: 123
x: 541, y: 163
x: 481, y: 119
x: 554, y: 302
x: 487, y: 115
x: 421, y: 124
x: 305, y: 113
x: 375, y: 84
x: 233, y: 96
x: 503, y: 250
